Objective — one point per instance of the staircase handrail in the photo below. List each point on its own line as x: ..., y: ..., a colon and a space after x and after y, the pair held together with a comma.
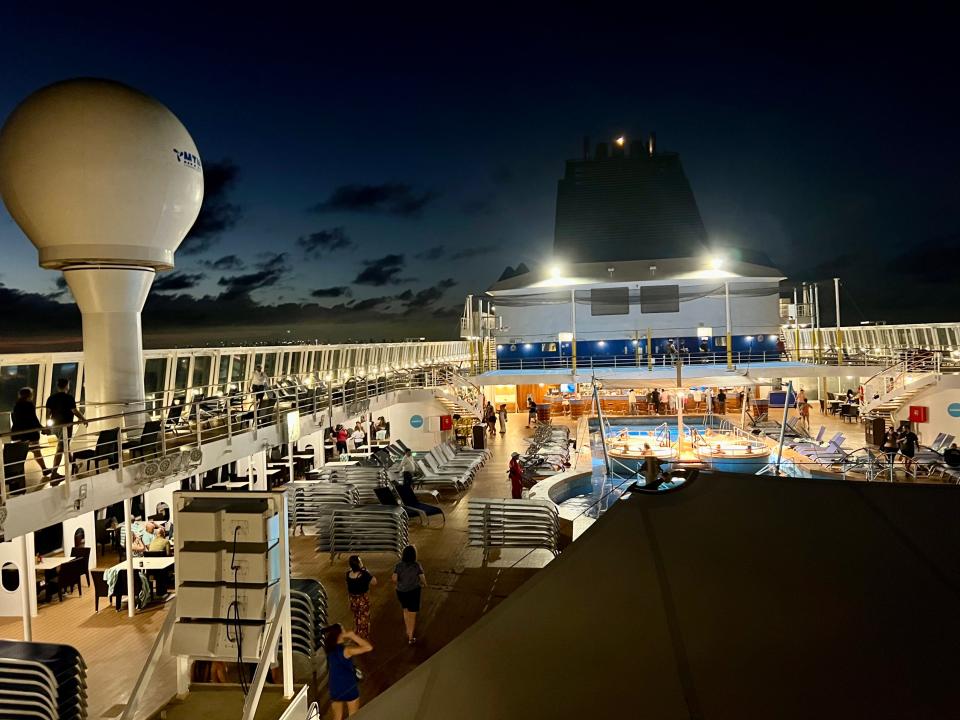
x: 898, y: 374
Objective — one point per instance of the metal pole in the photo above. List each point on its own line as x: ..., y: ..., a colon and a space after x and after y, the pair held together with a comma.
x: 286, y: 629
x: 573, y: 327
x: 128, y: 532
x: 783, y: 427
x: 821, y: 383
x: 726, y: 300
x: 603, y: 435
x: 836, y: 294
x: 649, y: 350
x: 25, y: 589
x: 796, y: 324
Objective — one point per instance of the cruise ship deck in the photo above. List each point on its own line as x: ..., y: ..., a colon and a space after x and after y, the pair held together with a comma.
x: 461, y: 588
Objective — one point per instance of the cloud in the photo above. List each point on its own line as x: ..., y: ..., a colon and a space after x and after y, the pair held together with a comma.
x: 62, y: 289
x: 324, y: 241
x: 269, y: 272
x: 471, y: 252
x: 21, y: 311
x: 434, y: 253
x: 331, y: 292
x: 382, y: 271
x: 171, y: 282
x: 371, y: 303
x: 416, y: 301
x: 218, y: 214
x: 227, y: 262
x: 388, y: 198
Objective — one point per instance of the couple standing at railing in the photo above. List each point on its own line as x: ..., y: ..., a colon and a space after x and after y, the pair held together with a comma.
x: 25, y: 425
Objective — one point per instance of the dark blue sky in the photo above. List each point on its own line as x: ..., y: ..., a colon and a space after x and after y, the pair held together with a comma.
x: 829, y: 142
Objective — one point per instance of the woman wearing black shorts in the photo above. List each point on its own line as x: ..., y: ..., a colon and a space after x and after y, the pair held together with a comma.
x: 409, y: 578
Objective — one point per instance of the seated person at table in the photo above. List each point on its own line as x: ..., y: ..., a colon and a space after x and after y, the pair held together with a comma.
x: 160, y: 542
x: 718, y: 450
x: 143, y: 534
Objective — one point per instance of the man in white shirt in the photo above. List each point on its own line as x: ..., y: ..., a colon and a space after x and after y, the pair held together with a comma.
x: 632, y: 401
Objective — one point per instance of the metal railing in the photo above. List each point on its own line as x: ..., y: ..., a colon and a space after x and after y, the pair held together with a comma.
x: 585, y: 362
x: 892, y: 381
x: 164, y: 438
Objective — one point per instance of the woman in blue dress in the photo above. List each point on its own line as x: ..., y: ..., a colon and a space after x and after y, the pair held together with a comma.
x: 341, y: 645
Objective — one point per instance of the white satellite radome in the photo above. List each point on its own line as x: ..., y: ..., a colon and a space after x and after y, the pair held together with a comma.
x: 105, y: 182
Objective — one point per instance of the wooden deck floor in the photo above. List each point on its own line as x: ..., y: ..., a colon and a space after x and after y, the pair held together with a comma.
x: 459, y: 591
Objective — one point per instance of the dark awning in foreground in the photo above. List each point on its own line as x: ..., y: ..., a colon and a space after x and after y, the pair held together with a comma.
x: 735, y: 597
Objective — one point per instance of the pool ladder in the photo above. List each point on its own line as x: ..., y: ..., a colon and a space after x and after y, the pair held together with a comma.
x: 662, y: 434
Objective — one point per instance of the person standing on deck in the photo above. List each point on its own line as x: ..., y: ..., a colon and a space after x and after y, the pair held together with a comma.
x: 61, y: 409
x: 655, y: 401
x: 502, y: 415
x: 407, y: 467
x: 632, y: 401
x: 258, y: 384
x: 721, y: 402
x: 409, y: 578
x: 531, y: 410
x: 340, y: 645
x: 516, y: 476
x: 26, y: 426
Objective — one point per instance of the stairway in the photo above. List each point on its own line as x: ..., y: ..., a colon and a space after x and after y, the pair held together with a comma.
x: 460, y: 397
x: 895, y: 386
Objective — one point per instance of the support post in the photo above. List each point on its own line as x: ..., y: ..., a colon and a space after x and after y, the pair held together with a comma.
x: 573, y: 328
x: 796, y: 324
x: 25, y: 589
x: 836, y: 295
x: 286, y: 626
x: 128, y: 532
x: 726, y: 300
x: 649, y: 350
x: 783, y: 426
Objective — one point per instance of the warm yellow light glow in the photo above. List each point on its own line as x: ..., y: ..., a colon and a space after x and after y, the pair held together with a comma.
x: 556, y: 272
x: 716, y: 262
x: 621, y: 140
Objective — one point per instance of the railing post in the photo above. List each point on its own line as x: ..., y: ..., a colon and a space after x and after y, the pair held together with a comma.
x: 68, y: 468
x: 229, y: 422
x: 3, y: 482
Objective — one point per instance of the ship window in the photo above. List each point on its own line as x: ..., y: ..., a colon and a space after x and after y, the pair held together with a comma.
x: 62, y: 370
x: 14, y: 377
x: 154, y: 376
x: 201, y: 372
x: 610, y: 301
x: 660, y: 299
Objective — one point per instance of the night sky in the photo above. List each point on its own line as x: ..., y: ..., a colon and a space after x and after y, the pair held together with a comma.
x: 365, y: 172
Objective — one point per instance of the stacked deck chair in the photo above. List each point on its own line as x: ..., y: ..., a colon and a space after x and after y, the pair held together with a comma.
x: 350, y: 529
x: 496, y: 522
x: 308, y: 498
x: 365, y: 479
x: 308, y: 614
x: 42, y: 680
